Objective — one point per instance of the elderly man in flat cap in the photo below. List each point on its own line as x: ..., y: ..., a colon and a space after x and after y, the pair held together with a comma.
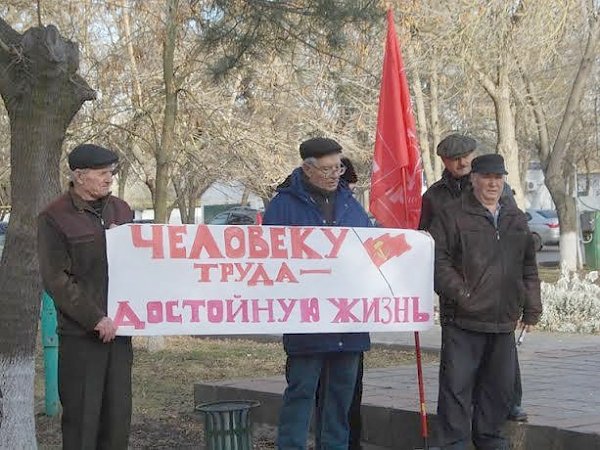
x: 457, y: 152
x: 486, y: 277
x: 94, y: 366
x: 314, y: 196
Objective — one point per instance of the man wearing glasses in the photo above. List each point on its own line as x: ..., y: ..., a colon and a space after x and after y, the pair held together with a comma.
x: 94, y: 365
x: 314, y: 196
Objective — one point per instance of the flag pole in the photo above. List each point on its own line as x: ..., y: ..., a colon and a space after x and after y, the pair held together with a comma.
x: 396, y: 147
x: 422, y: 406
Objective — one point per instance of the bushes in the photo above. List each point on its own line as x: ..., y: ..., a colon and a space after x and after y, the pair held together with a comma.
x: 572, y: 304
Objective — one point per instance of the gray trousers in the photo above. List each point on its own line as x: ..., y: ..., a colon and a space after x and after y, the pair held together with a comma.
x: 477, y: 385
x: 94, y: 382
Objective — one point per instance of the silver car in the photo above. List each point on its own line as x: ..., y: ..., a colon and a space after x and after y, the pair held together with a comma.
x: 544, y: 226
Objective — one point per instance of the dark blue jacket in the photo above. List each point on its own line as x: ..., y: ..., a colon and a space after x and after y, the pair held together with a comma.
x: 293, y: 206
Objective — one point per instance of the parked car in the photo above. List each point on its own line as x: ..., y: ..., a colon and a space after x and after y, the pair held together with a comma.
x: 239, y: 215
x: 544, y: 226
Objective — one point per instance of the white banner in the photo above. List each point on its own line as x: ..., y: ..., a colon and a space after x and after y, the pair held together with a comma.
x: 212, y: 279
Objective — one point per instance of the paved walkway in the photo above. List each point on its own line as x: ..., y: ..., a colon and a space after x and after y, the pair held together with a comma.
x: 560, y: 374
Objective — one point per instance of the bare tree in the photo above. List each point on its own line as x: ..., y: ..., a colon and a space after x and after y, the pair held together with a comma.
x: 42, y: 92
x: 558, y: 160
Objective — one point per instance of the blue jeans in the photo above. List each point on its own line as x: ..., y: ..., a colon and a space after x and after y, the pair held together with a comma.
x: 337, y: 372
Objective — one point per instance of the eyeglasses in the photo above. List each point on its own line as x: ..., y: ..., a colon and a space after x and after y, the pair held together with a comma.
x: 331, y: 171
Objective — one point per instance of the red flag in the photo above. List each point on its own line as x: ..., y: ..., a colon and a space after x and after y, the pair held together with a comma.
x: 396, y: 180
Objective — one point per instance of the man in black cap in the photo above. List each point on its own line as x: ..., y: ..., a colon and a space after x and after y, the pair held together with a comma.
x: 487, y: 280
x: 457, y: 152
x: 314, y: 196
x: 350, y: 178
x: 94, y: 366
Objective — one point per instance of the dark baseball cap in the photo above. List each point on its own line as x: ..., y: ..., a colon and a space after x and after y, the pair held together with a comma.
x: 491, y: 163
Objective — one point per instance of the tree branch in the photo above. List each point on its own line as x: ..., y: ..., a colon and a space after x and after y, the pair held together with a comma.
x: 539, y: 115
x: 583, y: 74
x: 486, y: 82
x: 4, y: 46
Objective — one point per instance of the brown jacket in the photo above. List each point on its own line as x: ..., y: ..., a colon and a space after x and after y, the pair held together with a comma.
x: 486, y: 276
x: 73, y: 262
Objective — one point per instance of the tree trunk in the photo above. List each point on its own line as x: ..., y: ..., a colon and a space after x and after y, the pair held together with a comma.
x: 507, y: 144
x: 181, y: 199
x: 42, y: 93
x: 163, y: 153
x: 434, y: 112
x: 191, y: 209
x: 165, y: 150
x: 566, y: 206
x: 124, y: 167
x: 244, y: 201
x: 137, y: 98
x: 422, y: 126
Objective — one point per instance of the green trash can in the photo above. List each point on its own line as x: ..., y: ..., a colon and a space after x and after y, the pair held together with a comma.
x: 591, y: 242
x: 227, y: 424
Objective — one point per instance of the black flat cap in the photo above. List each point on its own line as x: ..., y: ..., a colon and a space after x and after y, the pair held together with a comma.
x: 456, y: 145
x: 319, y: 147
x: 491, y: 163
x: 91, y: 156
x: 350, y: 174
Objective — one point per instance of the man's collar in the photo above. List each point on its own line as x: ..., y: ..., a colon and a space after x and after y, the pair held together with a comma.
x: 446, y: 175
x: 79, y: 203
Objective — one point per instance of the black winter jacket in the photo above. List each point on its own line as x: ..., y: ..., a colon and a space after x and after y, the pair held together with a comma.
x: 440, y: 193
x: 443, y: 191
x: 486, y: 277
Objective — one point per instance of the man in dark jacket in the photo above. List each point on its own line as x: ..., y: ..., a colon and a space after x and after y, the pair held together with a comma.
x: 94, y: 366
x: 314, y: 196
x: 487, y: 280
x: 457, y: 152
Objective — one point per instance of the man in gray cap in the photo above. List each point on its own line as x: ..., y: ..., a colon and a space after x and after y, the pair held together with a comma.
x: 313, y: 196
x: 487, y: 280
x: 456, y: 151
x: 94, y: 365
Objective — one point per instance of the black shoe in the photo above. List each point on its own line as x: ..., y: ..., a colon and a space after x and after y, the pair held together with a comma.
x: 517, y: 414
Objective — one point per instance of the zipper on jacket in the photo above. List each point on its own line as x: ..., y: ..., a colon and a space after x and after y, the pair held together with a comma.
x: 100, y: 216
